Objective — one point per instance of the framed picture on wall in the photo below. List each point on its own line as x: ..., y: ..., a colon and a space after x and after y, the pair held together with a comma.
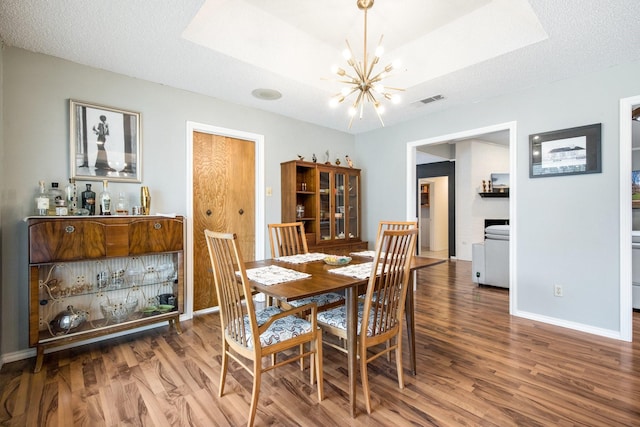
x: 105, y: 143
x: 566, y: 152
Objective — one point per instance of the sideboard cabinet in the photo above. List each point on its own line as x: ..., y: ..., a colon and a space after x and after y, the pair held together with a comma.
x: 326, y: 199
x: 94, y: 276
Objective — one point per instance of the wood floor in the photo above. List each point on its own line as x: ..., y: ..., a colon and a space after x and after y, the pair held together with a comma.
x: 477, y: 366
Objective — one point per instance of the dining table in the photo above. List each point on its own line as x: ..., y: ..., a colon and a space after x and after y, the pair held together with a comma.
x: 312, y: 278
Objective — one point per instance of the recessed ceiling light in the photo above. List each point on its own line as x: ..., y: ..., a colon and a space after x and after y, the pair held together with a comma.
x: 266, y: 94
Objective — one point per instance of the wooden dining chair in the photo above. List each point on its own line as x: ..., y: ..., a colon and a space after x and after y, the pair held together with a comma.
x: 254, y: 335
x: 395, y: 225
x: 380, y: 314
x: 290, y: 239
x: 287, y: 239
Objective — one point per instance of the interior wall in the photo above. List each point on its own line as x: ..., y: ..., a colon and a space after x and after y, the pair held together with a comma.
x: 476, y: 161
x: 558, y: 240
x: 35, y: 94
x: 487, y: 158
x: 439, y: 235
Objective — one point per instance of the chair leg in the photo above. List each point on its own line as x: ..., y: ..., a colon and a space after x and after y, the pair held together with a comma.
x: 399, y: 361
x: 312, y: 367
x: 223, y: 371
x: 257, y: 377
x: 318, y: 365
x: 365, y: 378
x: 302, y: 358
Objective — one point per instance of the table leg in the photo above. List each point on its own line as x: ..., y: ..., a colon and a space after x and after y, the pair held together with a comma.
x: 352, y: 345
x: 411, y: 327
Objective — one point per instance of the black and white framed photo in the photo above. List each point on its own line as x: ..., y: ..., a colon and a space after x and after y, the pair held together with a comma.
x: 105, y: 143
x: 566, y: 152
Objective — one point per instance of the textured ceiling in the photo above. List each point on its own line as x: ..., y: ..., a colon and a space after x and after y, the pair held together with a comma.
x: 466, y: 50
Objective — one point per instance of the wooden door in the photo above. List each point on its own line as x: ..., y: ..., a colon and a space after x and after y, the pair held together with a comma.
x: 223, y: 201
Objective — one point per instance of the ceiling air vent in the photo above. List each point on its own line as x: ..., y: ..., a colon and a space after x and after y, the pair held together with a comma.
x: 431, y: 99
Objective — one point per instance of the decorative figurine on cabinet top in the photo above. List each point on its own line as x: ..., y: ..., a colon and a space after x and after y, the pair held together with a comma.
x: 301, y: 158
x: 326, y: 161
x: 337, y: 161
x: 314, y: 158
x: 349, y: 161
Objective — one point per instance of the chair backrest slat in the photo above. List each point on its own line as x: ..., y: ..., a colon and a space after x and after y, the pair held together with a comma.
x: 287, y: 239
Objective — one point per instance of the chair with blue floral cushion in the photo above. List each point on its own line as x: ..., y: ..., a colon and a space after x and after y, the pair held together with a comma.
x: 290, y: 239
x: 380, y: 312
x: 252, y: 335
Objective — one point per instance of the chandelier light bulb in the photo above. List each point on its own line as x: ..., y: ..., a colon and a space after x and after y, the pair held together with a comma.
x: 346, y: 54
x: 345, y: 91
x: 379, y: 51
x: 352, y: 111
x: 379, y: 87
x: 395, y: 99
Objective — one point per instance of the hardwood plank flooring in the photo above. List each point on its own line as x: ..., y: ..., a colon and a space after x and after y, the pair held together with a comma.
x: 477, y: 366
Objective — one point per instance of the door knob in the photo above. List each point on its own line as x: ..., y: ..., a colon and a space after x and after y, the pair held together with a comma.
x: 208, y: 212
x: 241, y: 211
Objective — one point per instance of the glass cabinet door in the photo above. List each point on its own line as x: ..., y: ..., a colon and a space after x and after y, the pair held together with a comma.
x: 340, y: 216
x: 352, y: 208
x: 324, y: 192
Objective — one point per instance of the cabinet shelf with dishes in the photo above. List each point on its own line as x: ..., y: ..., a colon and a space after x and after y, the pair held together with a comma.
x: 330, y: 202
x: 94, y: 276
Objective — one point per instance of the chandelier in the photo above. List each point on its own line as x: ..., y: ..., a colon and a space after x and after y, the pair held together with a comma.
x: 364, y: 82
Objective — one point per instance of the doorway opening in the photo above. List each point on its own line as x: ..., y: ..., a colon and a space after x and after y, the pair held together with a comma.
x: 433, y: 221
x: 460, y: 196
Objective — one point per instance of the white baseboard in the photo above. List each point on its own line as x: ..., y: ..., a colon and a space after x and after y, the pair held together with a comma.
x: 607, y: 333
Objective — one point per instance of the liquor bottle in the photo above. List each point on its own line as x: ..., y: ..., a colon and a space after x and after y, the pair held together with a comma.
x: 42, y: 200
x: 105, y: 199
x: 71, y: 193
x: 122, y: 207
x: 89, y: 200
x: 55, y: 197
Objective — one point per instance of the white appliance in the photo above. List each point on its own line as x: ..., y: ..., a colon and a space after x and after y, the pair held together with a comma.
x: 490, y: 259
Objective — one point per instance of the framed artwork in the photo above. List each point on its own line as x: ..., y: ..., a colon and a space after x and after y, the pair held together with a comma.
x: 105, y: 143
x: 566, y: 152
x: 500, y: 181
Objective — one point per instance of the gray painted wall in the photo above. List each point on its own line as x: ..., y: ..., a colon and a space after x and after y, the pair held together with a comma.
x: 567, y: 227
x: 36, y: 94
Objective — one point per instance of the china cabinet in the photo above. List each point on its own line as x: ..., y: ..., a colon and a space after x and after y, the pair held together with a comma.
x: 94, y: 276
x: 327, y: 199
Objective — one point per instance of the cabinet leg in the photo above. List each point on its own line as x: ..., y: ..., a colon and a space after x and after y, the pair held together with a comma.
x: 175, y: 322
x: 39, y: 359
